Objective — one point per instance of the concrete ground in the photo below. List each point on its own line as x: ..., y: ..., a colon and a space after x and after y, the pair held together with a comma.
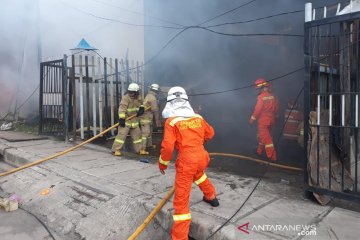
x: 21, y: 225
x: 90, y: 194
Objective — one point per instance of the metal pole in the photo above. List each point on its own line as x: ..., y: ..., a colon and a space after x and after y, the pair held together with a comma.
x: 73, y: 83
x: 122, y: 79
x: 87, y: 97
x: 308, y: 10
x: 65, y: 98
x: 127, y: 72
x: 81, y: 99
x: 142, y: 81
x: 343, y: 109
x: 117, y: 82
x: 111, y: 96
x: 106, y: 94
x: 93, y: 93
x: 330, y: 109
x: 100, y: 98
x: 41, y: 89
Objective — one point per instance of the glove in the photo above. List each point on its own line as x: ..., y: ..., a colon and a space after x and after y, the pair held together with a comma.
x: 122, y: 122
x: 140, y: 111
x: 252, y: 120
x: 162, y: 168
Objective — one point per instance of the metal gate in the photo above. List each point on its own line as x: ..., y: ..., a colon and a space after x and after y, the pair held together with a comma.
x: 332, y: 85
x: 53, y: 94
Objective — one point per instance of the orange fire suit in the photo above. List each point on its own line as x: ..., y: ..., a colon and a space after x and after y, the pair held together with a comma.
x: 265, y: 113
x: 188, y: 136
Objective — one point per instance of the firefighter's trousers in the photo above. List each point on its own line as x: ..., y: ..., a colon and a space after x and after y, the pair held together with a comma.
x: 266, y: 142
x: 146, y: 135
x: 135, y: 134
x: 190, y: 168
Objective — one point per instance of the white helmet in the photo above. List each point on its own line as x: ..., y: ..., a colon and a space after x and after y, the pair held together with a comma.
x: 133, y: 87
x: 176, y: 92
x: 155, y: 87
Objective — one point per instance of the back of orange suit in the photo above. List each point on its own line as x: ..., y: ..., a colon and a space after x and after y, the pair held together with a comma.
x: 265, y: 113
x: 187, y: 135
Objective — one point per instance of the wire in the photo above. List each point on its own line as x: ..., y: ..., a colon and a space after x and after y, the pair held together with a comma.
x: 262, y: 176
x: 254, y: 20
x: 41, y: 222
x: 251, y: 34
x: 138, y: 13
x: 247, y: 86
x: 116, y: 20
x: 204, y: 28
x: 153, y: 57
x: 28, y: 98
x: 229, y: 11
x: 276, y: 78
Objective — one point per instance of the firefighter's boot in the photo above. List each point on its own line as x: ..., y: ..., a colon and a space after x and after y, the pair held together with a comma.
x: 117, y: 153
x: 143, y: 152
x: 214, y: 202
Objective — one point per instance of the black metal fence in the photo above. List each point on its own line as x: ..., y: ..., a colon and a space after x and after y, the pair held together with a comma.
x: 332, y: 87
x: 80, y: 94
x: 53, y: 79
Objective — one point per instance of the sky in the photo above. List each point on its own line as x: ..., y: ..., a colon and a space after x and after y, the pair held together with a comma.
x: 57, y: 26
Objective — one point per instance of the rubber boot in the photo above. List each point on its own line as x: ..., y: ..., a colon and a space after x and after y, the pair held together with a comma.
x: 143, y: 152
x: 117, y: 153
x: 214, y: 202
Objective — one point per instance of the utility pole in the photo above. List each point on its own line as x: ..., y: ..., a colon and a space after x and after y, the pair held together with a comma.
x: 39, y: 57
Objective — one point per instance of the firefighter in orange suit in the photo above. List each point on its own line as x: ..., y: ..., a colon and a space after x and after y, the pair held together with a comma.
x: 187, y: 132
x: 265, y: 113
x: 130, y: 104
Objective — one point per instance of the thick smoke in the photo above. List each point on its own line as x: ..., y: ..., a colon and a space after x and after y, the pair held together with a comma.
x: 205, y: 62
x: 50, y: 28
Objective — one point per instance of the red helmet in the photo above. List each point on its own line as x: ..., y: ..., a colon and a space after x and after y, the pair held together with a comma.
x: 259, y: 83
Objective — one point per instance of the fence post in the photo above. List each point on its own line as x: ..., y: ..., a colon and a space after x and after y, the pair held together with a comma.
x: 87, y: 97
x: 111, y: 79
x: 100, y: 96
x: 73, y: 83
x: 93, y: 93
x: 106, y: 94
x: 65, y: 98
x: 41, y: 98
x: 117, y: 83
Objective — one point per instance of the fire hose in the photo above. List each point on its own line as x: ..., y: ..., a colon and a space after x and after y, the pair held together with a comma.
x: 152, y: 214
x: 256, y: 160
x: 67, y: 150
x: 169, y: 194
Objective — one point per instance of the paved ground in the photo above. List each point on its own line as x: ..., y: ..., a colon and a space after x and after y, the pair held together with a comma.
x: 94, y: 195
x: 20, y: 225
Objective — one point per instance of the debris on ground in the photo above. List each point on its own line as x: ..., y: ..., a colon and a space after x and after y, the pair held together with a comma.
x: 8, y: 204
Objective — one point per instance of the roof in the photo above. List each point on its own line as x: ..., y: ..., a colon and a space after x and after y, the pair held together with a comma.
x: 84, y: 45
